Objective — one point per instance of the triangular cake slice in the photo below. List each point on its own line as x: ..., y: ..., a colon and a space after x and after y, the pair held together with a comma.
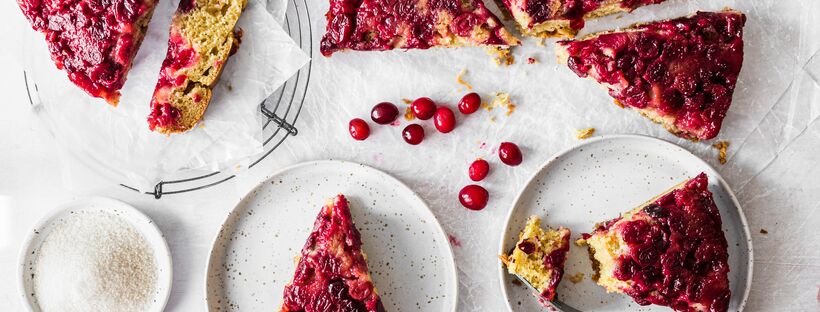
x: 670, y: 251
x: 564, y: 18
x: 370, y: 25
x: 331, y: 272
x: 201, y: 39
x: 680, y: 73
x: 538, y: 257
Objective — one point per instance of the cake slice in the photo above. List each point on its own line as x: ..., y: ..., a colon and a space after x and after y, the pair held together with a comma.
x: 331, y: 272
x: 368, y: 25
x: 539, y: 257
x: 564, y: 18
x: 680, y: 73
x: 202, y: 38
x: 93, y: 41
x: 670, y: 251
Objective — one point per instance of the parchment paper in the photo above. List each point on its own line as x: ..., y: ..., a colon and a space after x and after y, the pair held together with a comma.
x: 116, y: 140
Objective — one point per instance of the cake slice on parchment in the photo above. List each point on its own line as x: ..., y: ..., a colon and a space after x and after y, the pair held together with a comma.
x: 680, y: 73
x: 564, y: 18
x: 93, y: 41
x: 377, y: 25
x: 670, y: 251
x: 201, y: 40
x: 538, y: 257
x: 331, y: 272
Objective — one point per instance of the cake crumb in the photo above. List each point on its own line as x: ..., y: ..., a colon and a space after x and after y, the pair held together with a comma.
x: 576, y: 278
x: 619, y: 104
x: 407, y: 101
x: 501, y: 56
x: 580, y: 242
x: 582, y: 134
x: 531, y: 60
x: 721, y: 147
x: 408, y: 114
x: 763, y: 231
x: 540, y: 42
x: 201, y: 125
x: 460, y: 79
x: 502, y: 99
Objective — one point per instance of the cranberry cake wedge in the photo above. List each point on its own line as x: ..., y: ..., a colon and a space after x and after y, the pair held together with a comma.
x: 539, y: 258
x: 680, y: 73
x: 202, y: 38
x: 93, y: 41
x: 331, y: 272
x: 368, y: 25
x: 670, y: 251
x: 564, y: 18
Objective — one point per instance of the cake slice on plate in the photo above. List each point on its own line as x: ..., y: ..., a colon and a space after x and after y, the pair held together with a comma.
x: 368, y: 25
x: 331, y: 272
x: 670, y: 251
x: 538, y: 257
x: 93, y: 41
x: 680, y: 73
x: 202, y: 38
x: 564, y: 18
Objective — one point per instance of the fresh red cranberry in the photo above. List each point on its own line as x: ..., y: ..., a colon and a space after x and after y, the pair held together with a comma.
x: 423, y: 108
x: 413, y: 134
x: 527, y: 247
x: 359, y: 129
x: 510, y: 154
x: 444, y: 119
x: 479, y: 169
x: 384, y: 113
x: 473, y: 197
x: 469, y: 103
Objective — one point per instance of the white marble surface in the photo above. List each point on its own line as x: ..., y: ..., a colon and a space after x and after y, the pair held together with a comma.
x: 773, y: 162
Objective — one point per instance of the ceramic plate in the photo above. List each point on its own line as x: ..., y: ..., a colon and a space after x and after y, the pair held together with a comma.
x: 597, y: 180
x: 141, y: 223
x: 408, y: 254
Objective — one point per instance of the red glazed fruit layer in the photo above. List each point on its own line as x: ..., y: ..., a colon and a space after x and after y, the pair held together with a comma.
x: 368, y: 25
x: 681, y: 73
x: 675, y: 252
x: 93, y: 41
x: 180, y: 55
x: 572, y: 10
x: 332, y: 273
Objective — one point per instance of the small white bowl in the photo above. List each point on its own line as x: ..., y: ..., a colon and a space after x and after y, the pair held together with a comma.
x: 141, y: 223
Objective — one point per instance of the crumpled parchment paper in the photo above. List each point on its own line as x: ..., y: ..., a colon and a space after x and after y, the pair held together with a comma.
x: 116, y: 140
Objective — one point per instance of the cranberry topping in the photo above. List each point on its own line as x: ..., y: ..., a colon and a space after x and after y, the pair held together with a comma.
x: 473, y: 197
x: 93, y: 41
x: 479, y: 170
x: 527, y: 247
x: 413, y: 134
x: 574, y: 10
x: 384, y: 113
x: 423, y: 108
x: 406, y: 24
x: 180, y: 55
x: 163, y: 116
x: 510, y: 154
x: 359, y: 129
x: 684, y: 68
x: 469, y: 103
x: 444, y: 119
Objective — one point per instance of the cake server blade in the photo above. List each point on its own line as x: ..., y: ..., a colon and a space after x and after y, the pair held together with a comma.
x: 555, y: 304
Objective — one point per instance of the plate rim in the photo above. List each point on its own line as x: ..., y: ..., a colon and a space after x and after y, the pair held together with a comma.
x: 554, y: 157
x: 336, y: 162
x: 163, y: 259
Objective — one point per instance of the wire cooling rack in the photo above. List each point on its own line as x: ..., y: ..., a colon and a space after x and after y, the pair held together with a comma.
x: 281, y: 110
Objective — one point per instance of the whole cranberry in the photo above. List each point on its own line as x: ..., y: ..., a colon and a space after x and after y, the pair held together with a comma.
x: 473, y: 197
x: 413, y: 134
x: 444, y: 119
x: 423, y: 108
x: 479, y: 169
x: 359, y: 129
x: 510, y: 154
x: 469, y: 103
x: 384, y: 113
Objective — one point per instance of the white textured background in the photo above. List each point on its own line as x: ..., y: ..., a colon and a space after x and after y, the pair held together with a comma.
x: 772, y: 125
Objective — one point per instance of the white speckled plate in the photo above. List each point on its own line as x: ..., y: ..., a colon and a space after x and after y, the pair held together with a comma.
x: 597, y: 180
x: 408, y: 254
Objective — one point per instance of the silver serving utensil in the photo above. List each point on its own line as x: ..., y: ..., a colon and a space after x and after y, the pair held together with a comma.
x: 555, y: 304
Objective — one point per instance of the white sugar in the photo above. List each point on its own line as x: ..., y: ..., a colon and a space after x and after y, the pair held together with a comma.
x: 94, y: 261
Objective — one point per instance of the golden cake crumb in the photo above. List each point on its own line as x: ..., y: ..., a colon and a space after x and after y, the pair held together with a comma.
x: 576, y: 278
x: 407, y: 101
x: 580, y: 242
x: 619, y: 104
x: 584, y: 133
x: 540, y: 42
x: 460, y: 79
x: 501, y: 56
x: 502, y: 99
x: 763, y: 231
x: 721, y: 147
x: 408, y: 114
